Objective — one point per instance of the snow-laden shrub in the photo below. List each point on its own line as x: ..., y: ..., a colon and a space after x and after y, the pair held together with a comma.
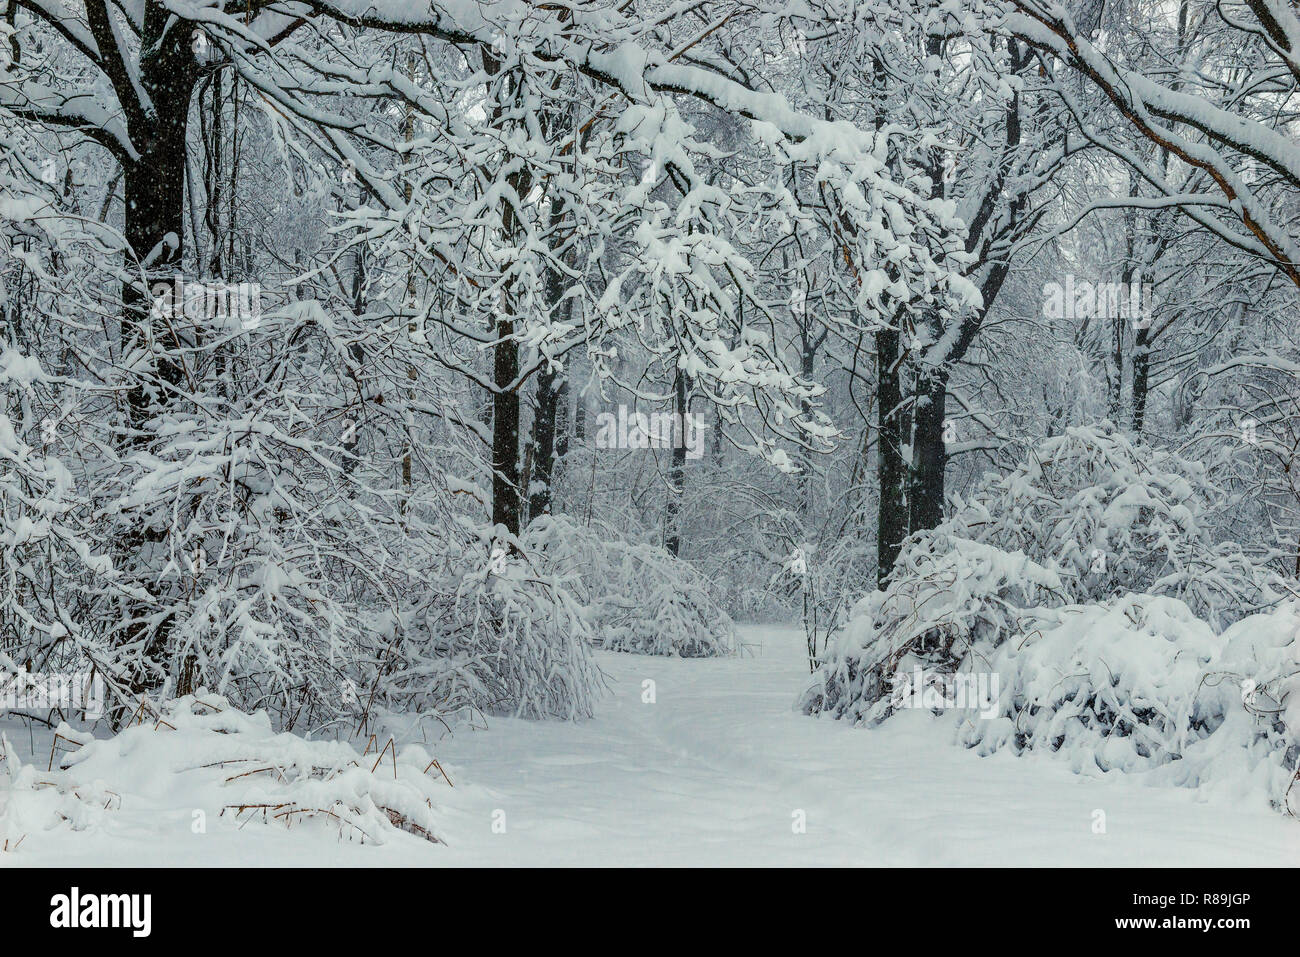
x: 198, y: 751
x: 265, y: 550
x: 1140, y: 684
x: 1117, y: 664
x: 1087, y: 517
x: 1116, y: 685
x: 1259, y: 665
x: 1137, y: 683
x: 294, y: 570
x: 948, y: 597
x: 263, y: 532
x: 636, y: 597
x: 493, y: 636
x: 1111, y: 517
x: 33, y: 801
x: 56, y: 582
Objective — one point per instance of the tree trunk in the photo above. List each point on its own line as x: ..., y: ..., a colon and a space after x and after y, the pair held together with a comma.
x: 1141, y: 377
x: 550, y: 386
x: 677, y: 477
x: 925, y: 493
x: 543, y: 444
x: 154, y: 199
x: 505, y: 428
x: 507, y: 500
x: 891, y: 524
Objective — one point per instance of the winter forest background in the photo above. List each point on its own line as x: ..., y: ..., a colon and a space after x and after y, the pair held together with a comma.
x: 373, y: 366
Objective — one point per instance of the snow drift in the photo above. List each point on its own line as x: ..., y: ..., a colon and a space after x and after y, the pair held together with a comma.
x: 199, y: 752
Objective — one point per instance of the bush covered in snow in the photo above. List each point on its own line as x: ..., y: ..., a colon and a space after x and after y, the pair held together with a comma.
x: 291, y: 569
x: 636, y: 597
x: 1117, y: 685
x: 948, y: 596
x: 1090, y: 587
x: 1110, y: 517
x: 1139, y: 684
x: 199, y: 752
x: 495, y: 636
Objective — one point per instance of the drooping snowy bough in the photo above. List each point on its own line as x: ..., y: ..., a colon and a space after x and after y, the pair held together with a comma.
x: 494, y: 636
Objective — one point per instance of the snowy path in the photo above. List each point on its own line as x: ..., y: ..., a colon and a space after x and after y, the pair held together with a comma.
x: 712, y: 773
x: 714, y: 770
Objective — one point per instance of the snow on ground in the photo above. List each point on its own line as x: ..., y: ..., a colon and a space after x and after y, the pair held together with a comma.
x: 714, y: 773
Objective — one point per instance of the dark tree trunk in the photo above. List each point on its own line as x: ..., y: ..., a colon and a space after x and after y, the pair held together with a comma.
x: 677, y: 477
x: 155, y: 224
x: 542, y: 444
x: 507, y: 501
x: 891, y: 470
x: 154, y: 188
x: 1141, y: 376
x: 154, y: 199
x: 550, y: 389
x: 505, y: 428
x: 925, y: 495
x: 1115, y: 401
x: 351, y: 436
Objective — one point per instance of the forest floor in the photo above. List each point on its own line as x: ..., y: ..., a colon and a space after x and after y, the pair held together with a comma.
x: 720, y: 770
